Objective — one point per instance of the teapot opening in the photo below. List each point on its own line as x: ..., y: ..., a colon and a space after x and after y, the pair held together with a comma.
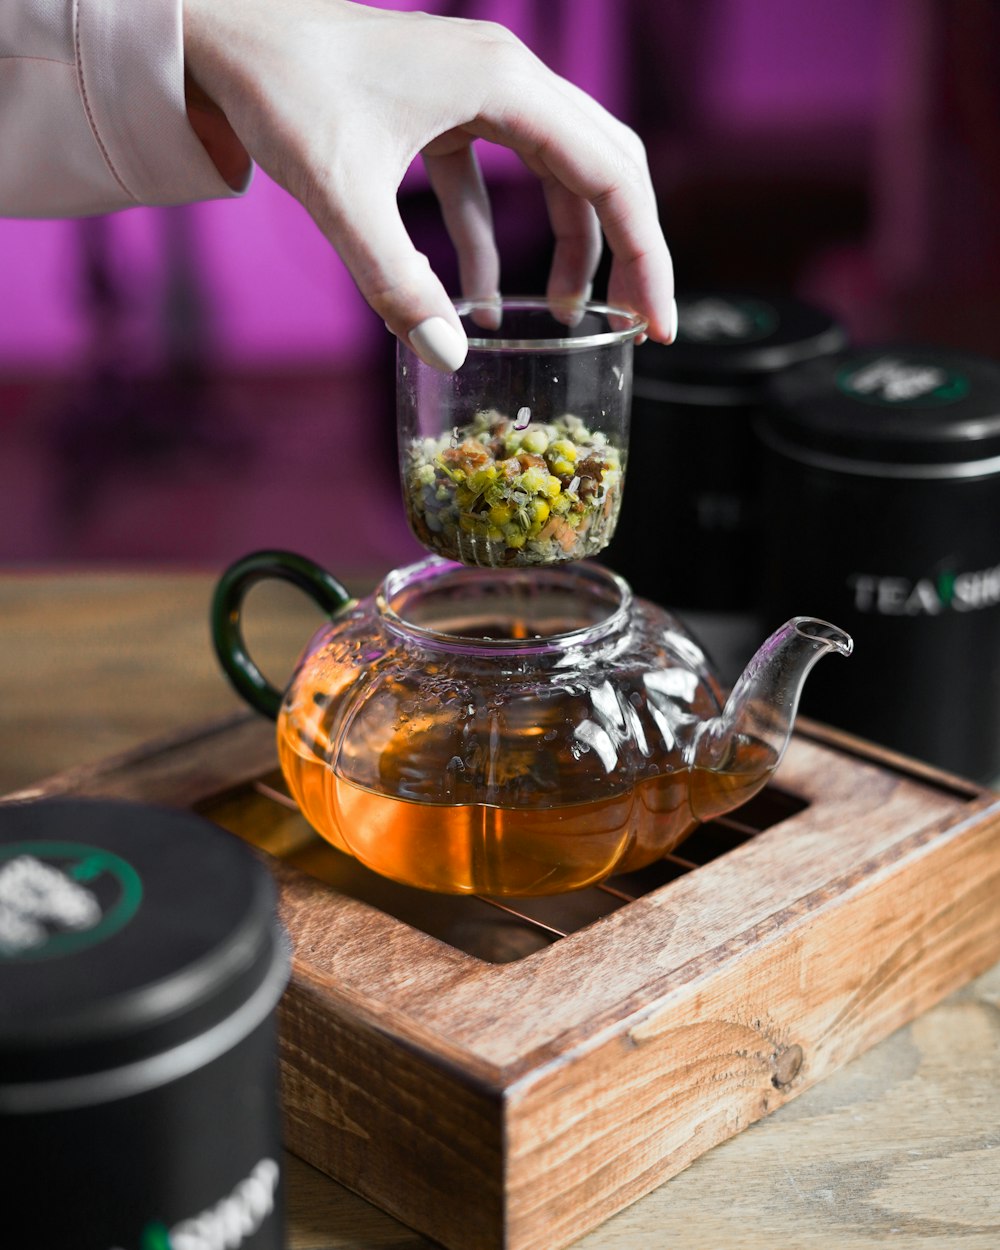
x: 454, y: 607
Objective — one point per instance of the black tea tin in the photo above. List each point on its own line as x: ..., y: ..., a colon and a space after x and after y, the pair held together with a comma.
x: 140, y: 965
x: 687, y: 532
x: 882, y: 513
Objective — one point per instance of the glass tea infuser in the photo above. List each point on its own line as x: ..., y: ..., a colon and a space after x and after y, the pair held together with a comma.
x: 518, y: 458
x: 529, y: 727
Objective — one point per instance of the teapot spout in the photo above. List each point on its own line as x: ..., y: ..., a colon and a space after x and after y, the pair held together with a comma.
x: 751, y: 733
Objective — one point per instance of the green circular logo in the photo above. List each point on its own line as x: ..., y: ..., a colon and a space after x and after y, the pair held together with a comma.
x: 56, y: 898
x: 715, y: 320
x: 901, y: 382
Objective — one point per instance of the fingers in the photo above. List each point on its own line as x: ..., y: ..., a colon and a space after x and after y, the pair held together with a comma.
x: 334, y: 100
x: 578, y: 243
x: 457, y: 181
x: 642, y: 277
x: 575, y: 145
x: 361, y: 219
x: 593, y: 170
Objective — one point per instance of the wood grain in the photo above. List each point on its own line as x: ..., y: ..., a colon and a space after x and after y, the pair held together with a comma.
x: 895, y: 1147
x: 520, y: 1105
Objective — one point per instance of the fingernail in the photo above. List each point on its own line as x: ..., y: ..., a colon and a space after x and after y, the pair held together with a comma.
x: 673, y: 321
x: 439, y: 345
x: 488, y: 313
x: 578, y: 313
x: 569, y: 309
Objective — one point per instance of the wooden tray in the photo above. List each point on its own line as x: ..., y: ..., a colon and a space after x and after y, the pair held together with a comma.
x: 511, y: 1080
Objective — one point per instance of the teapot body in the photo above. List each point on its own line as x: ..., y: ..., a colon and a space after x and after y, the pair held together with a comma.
x: 516, y: 733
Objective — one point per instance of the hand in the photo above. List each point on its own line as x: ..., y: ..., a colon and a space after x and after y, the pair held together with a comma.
x: 334, y: 99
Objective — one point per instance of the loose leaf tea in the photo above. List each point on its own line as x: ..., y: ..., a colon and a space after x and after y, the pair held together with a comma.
x: 491, y: 494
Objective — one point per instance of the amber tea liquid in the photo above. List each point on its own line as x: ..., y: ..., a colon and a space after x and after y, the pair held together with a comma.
x: 476, y: 848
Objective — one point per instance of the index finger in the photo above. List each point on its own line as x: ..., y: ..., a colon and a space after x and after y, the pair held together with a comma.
x: 571, y: 139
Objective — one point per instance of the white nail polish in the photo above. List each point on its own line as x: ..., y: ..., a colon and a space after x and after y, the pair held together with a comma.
x: 673, y: 320
x: 439, y: 345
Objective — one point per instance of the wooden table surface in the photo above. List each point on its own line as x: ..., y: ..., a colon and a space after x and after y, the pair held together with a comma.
x: 900, y: 1148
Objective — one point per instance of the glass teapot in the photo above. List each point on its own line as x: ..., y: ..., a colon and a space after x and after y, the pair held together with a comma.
x: 512, y: 731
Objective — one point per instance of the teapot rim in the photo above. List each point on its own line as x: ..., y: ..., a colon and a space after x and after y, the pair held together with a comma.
x: 434, y: 568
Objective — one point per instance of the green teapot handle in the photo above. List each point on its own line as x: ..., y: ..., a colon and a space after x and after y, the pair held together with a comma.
x: 227, y: 606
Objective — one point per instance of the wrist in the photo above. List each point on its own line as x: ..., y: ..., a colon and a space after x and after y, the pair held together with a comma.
x: 208, y: 121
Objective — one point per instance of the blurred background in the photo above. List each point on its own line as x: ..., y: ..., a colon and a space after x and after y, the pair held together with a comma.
x: 180, y: 386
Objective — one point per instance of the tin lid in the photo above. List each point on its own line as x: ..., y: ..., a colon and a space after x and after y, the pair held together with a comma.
x: 928, y: 408
x: 125, y: 931
x: 732, y: 344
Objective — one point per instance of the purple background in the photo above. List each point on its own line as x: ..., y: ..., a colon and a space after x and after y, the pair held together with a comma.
x: 177, y: 386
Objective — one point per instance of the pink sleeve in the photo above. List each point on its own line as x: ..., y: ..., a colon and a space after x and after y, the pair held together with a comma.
x: 92, y: 113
